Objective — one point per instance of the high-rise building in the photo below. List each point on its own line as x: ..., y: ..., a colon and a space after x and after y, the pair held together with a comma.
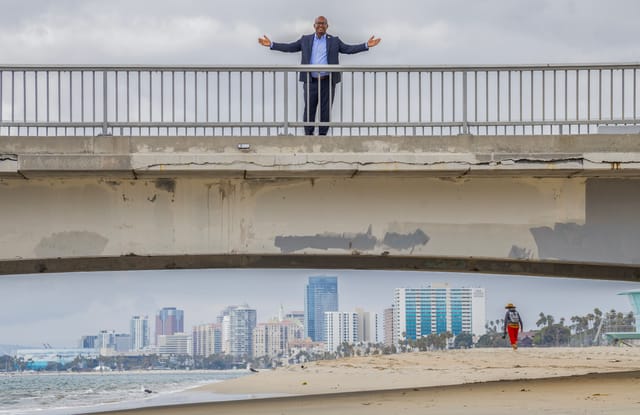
x: 207, y: 339
x: 437, y: 309
x: 367, y: 326
x: 321, y: 297
x: 387, y: 326
x: 273, y: 339
x: 169, y: 320
x: 340, y: 327
x: 106, y: 341
x: 122, y: 342
x: 242, y: 321
x: 139, y: 331
x: 224, y: 319
x: 88, y: 342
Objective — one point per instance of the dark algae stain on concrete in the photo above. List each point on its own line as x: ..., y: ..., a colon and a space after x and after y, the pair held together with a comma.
x: 351, y: 241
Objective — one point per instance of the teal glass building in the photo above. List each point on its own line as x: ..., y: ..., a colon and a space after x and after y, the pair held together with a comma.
x: 436, y: 309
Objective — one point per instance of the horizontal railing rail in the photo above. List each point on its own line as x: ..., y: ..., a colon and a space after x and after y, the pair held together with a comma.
x: 268, y: 100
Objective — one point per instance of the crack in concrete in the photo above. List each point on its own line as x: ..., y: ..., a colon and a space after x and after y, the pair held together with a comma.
x: 396, y: 162
x: 10, y: 157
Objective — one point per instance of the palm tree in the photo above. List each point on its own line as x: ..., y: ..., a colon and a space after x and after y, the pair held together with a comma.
x: 542, y: 321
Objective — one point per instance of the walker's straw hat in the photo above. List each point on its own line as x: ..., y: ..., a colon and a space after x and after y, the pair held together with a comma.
x: 510, y: 305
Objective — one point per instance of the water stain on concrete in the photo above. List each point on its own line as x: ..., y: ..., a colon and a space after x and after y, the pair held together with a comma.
x: 168, y: 185
x: 359, y: 242
x: 518, y: 252
x: 611, y: 232
x: 401, y: 242
x: 351, y: 241
x: 72, y: 243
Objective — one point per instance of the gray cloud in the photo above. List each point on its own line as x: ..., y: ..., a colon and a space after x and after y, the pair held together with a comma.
x: 413, y: 32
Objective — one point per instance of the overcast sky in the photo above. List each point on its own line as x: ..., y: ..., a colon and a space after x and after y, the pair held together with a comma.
x: 422, y: 32
x: 59, y: 309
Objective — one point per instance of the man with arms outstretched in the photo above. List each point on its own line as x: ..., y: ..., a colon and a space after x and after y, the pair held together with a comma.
x: 319, y: 48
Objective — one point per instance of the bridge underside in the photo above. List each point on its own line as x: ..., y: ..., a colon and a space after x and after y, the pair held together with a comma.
x: 334, y: 203
x: 563, y: 269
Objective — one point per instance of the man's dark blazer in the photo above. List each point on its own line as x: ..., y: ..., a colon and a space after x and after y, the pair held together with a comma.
x: 334, y: 47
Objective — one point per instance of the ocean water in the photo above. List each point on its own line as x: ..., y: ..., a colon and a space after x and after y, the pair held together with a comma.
x: 74, y: 393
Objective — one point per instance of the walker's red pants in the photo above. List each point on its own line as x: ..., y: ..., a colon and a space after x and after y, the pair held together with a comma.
x: 513, y: 333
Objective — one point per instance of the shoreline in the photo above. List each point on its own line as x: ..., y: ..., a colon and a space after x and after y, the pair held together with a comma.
x: 498, y: 381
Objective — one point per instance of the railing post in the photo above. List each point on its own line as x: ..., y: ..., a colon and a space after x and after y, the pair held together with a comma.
x: 286, y: 103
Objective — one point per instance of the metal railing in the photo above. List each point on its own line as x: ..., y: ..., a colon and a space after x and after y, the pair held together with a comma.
x: 267, y: 100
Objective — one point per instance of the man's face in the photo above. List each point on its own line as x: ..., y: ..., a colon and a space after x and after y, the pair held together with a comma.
x: 321, y: 26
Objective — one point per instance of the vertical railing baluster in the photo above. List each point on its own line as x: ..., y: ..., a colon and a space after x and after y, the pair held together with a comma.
x: 115, y: 97
x: 229, y: 99
x: 588, y: 99
x: 35, y: 95
x: 93, y: 99
x: 285, y: 77
x: 24, y: 100
x: 498, y: 100
x: 207, y: 75
x: 600, y: 94
x: 622, y: 94
x: 139, y: 79
x: 150, y: 100
x: 82, y: 73
x: 251, y: 101
x: 47, y: 102
x: 611, y: 96
x: 465, y: 128
x: 1, y: 95
x: 578, y: 99
x: 386, y: 101
x: 13, y: 96
x: 104, y: 103
x: 195, y: 102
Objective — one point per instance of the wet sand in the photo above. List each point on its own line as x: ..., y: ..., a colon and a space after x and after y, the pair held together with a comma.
x: 599, y: 380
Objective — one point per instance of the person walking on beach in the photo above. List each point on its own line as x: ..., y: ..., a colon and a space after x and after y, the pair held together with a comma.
x: 512, y: 325
x: 319, y: 48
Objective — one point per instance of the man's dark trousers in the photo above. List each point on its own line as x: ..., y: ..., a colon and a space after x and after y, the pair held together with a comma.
x: 318, y: 87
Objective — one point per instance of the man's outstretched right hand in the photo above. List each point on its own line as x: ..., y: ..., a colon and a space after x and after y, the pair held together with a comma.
x: 264, y: 41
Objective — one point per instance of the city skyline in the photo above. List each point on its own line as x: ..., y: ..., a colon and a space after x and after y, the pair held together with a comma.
x: 203, y: 294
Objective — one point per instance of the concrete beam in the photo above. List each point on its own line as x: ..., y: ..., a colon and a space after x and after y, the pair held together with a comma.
x: 565, y: 269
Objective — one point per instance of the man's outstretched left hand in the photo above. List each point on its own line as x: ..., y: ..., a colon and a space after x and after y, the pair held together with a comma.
x: 373, y: 41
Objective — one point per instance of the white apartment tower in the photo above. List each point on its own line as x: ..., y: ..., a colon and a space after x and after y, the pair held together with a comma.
x: 340, y: 327
x: 139, y: 331
x: 242, y: 321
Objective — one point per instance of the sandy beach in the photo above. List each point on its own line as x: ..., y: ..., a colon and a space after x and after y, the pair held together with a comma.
x: 598, y: 380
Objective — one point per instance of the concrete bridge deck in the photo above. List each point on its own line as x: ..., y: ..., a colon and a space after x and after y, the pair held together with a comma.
x: 607, y: 156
